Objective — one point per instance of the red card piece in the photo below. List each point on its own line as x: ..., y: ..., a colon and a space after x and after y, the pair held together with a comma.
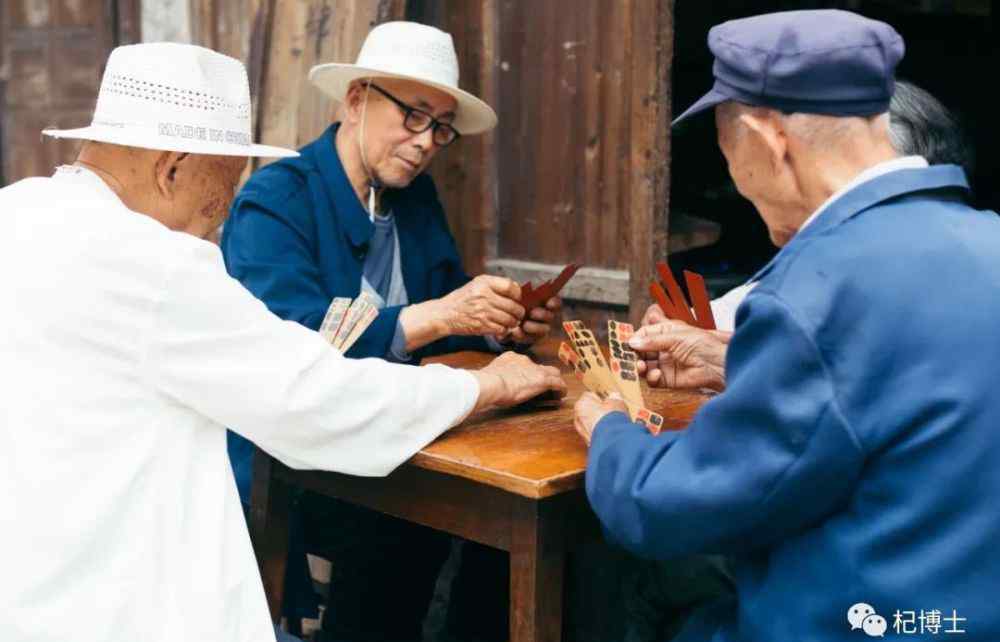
x: 557, y: 284
x: 699, y: 297
x: 681, y: 306
x: 537, y: 297
x: 663, y: 300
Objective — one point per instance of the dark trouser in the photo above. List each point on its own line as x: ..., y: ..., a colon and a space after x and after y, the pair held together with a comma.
x: 384, y: 572
x: 612, y: 595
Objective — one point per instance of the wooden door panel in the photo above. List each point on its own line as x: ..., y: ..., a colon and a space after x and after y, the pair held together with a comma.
x: 77, y: 65
x: 577, y: 169
x: 53, y: 55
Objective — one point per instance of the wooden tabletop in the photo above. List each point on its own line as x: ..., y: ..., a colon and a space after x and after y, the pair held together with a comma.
x: 534, y: 453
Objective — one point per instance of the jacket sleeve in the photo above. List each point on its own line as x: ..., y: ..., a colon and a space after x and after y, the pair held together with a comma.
x: 453, y: 274
x: 216, y: 349
x: 268, y: 246
x: 769, y: 457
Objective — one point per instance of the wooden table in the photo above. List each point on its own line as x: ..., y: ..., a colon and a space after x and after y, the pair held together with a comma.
x: 508, y: 479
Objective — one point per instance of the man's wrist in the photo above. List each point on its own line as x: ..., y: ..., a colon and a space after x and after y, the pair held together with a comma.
x: 491, y: 388
x: 422, y: 323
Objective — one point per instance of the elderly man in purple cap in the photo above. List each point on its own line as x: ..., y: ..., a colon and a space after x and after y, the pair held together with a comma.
x: 849, y: 467
x: 681, y: 356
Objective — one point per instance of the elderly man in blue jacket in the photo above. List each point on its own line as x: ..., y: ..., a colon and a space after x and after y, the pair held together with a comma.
x: 849, y: 468
x: 357, y: 212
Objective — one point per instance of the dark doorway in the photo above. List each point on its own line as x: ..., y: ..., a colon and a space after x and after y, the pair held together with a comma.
x: 950, y: 52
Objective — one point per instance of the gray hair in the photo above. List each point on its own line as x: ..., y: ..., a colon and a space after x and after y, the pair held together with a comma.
x: 920, y: 125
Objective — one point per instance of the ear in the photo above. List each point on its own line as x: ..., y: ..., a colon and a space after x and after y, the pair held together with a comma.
x: 353, y: 100
x: 767, y: 131
x: 166, y: 167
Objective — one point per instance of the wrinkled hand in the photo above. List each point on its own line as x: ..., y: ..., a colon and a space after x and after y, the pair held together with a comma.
x: 673, y: 354
x: 485, y: 305
x: 589, y: 410
x: 654, y: 314
x: 536, y: 325
x: 513, y: 378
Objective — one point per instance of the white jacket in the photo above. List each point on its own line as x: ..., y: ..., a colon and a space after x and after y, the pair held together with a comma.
x: 124, y: 351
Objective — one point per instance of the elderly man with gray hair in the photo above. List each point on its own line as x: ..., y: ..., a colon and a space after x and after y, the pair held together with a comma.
x: 848, y: 469
x: 125, y: 349
x: 677, y: 355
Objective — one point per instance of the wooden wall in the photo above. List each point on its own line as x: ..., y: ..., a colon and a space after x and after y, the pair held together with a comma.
x: 578, y: 167
x: 53, y: 55
x: 576, y: 171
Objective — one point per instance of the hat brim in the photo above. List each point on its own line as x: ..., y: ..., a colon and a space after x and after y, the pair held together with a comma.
x: 142, y: 139
x: 711, y: 99
x: 472, y: 115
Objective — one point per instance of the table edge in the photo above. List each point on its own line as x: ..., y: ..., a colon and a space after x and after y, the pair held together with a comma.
x: 508, y: 482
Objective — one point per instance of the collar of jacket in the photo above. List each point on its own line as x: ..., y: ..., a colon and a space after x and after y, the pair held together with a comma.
x: 869, y: 194
x: 350, y: 212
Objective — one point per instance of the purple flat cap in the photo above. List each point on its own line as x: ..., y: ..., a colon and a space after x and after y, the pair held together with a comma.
x: 819, y: 62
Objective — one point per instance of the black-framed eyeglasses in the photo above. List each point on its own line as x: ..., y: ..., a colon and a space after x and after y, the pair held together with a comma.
x: 417, y: 121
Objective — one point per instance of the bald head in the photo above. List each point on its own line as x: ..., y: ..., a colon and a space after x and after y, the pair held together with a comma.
x: 787, y: 165
x: 186, y: 192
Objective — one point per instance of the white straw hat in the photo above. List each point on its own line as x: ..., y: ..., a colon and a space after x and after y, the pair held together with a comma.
x: 174, y: 97
x: 411, y: 51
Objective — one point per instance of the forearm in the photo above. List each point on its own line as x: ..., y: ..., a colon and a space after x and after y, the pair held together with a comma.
x: 422, y: 324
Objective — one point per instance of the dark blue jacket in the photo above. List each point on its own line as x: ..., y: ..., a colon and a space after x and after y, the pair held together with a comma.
x: 855, y: 453
x: 297, y: 236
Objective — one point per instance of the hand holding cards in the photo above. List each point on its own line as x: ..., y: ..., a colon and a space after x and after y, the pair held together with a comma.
x: 587, y: 360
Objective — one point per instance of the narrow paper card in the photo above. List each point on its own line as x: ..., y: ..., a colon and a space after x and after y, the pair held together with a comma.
x: 333, y: 318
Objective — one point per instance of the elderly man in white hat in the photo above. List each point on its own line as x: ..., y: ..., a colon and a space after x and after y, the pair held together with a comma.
x: 357, y: 212
x: 125, y: 349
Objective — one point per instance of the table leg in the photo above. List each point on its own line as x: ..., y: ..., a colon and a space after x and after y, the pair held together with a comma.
x: 270, y: 507
x: 537, y: 563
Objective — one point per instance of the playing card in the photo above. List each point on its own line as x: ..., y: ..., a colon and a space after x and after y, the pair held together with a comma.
x: 354, y: 313
x: 579, y: 358
x: 699, y: 300
x: 661, y: 298
x: 333, y: 318
x: 569, y: 356
x: 681, y: 307
x: 536, y: 297
x: 623, y: 361
x: 597, y: 374
x: 650, y: 420
x: 367, y: 316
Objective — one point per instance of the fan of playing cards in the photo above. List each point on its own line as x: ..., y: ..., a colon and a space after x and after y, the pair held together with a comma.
x: 346, y: 321
x: 586, y: 359
x: 675, y: 305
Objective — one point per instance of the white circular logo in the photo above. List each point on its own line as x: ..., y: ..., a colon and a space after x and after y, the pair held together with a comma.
x: 874, y: 626
x: 856, y: 614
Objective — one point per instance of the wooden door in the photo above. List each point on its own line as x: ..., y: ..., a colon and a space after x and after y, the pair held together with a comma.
x: 53, y: 57
x: 578, y: 168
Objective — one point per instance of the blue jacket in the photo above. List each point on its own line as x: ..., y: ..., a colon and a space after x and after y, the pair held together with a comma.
x: 297, y: 236
x: 855, y: 453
